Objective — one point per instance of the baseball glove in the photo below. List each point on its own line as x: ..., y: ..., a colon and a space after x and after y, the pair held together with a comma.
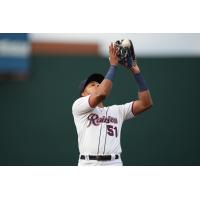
x: 126, y: 53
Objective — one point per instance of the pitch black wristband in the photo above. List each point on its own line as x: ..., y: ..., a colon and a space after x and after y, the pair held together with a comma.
x: 111, y: 73
x: 141, y: 82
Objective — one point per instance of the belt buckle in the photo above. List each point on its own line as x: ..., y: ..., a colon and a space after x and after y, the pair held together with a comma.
x: 112, y: 156
x: 87, y: 157
x: 98, y: 157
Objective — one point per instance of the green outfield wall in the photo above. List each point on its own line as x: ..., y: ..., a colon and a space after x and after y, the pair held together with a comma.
x: 36, y: 123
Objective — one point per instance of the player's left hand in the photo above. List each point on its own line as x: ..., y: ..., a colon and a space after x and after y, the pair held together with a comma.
x: 131, y: 58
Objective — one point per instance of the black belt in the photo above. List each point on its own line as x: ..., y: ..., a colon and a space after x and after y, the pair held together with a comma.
x: 99, y: 157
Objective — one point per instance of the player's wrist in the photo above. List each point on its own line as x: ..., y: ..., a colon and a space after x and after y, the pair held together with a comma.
x: 111, y: 73
x: 141, y: 81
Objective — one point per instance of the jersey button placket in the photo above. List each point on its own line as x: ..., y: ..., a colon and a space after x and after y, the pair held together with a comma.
x: 101, y: 114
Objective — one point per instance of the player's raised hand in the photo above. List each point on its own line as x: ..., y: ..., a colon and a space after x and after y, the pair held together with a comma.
x: 113, y: 55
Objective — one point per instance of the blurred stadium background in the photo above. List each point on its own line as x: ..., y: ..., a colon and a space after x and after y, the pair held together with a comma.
x: 39, y: 78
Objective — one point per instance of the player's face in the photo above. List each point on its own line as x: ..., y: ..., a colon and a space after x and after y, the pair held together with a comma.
x: 91, y: 88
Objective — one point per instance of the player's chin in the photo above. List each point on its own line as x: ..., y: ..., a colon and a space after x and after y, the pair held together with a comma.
x: 93, y: 92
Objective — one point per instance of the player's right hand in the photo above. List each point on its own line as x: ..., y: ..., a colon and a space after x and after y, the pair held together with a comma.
x: 113, y: 58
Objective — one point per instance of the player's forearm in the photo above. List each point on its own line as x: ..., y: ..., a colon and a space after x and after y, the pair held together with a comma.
x: 106, y: 85
x: 145, y: 98
x: 104, y: 88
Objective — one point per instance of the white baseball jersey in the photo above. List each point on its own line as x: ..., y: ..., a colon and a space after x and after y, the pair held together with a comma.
x: 99, y: 129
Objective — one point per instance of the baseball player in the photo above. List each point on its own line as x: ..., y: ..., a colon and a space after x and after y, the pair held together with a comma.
x: 99, y: 127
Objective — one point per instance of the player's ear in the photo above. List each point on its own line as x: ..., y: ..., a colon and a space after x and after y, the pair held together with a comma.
x: 84, y: 93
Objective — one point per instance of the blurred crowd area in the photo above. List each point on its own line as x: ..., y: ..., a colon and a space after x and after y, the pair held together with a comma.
x: 15, y: 53
x: 16, y: 50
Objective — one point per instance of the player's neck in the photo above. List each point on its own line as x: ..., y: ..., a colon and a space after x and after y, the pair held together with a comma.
x: 101, y: 105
